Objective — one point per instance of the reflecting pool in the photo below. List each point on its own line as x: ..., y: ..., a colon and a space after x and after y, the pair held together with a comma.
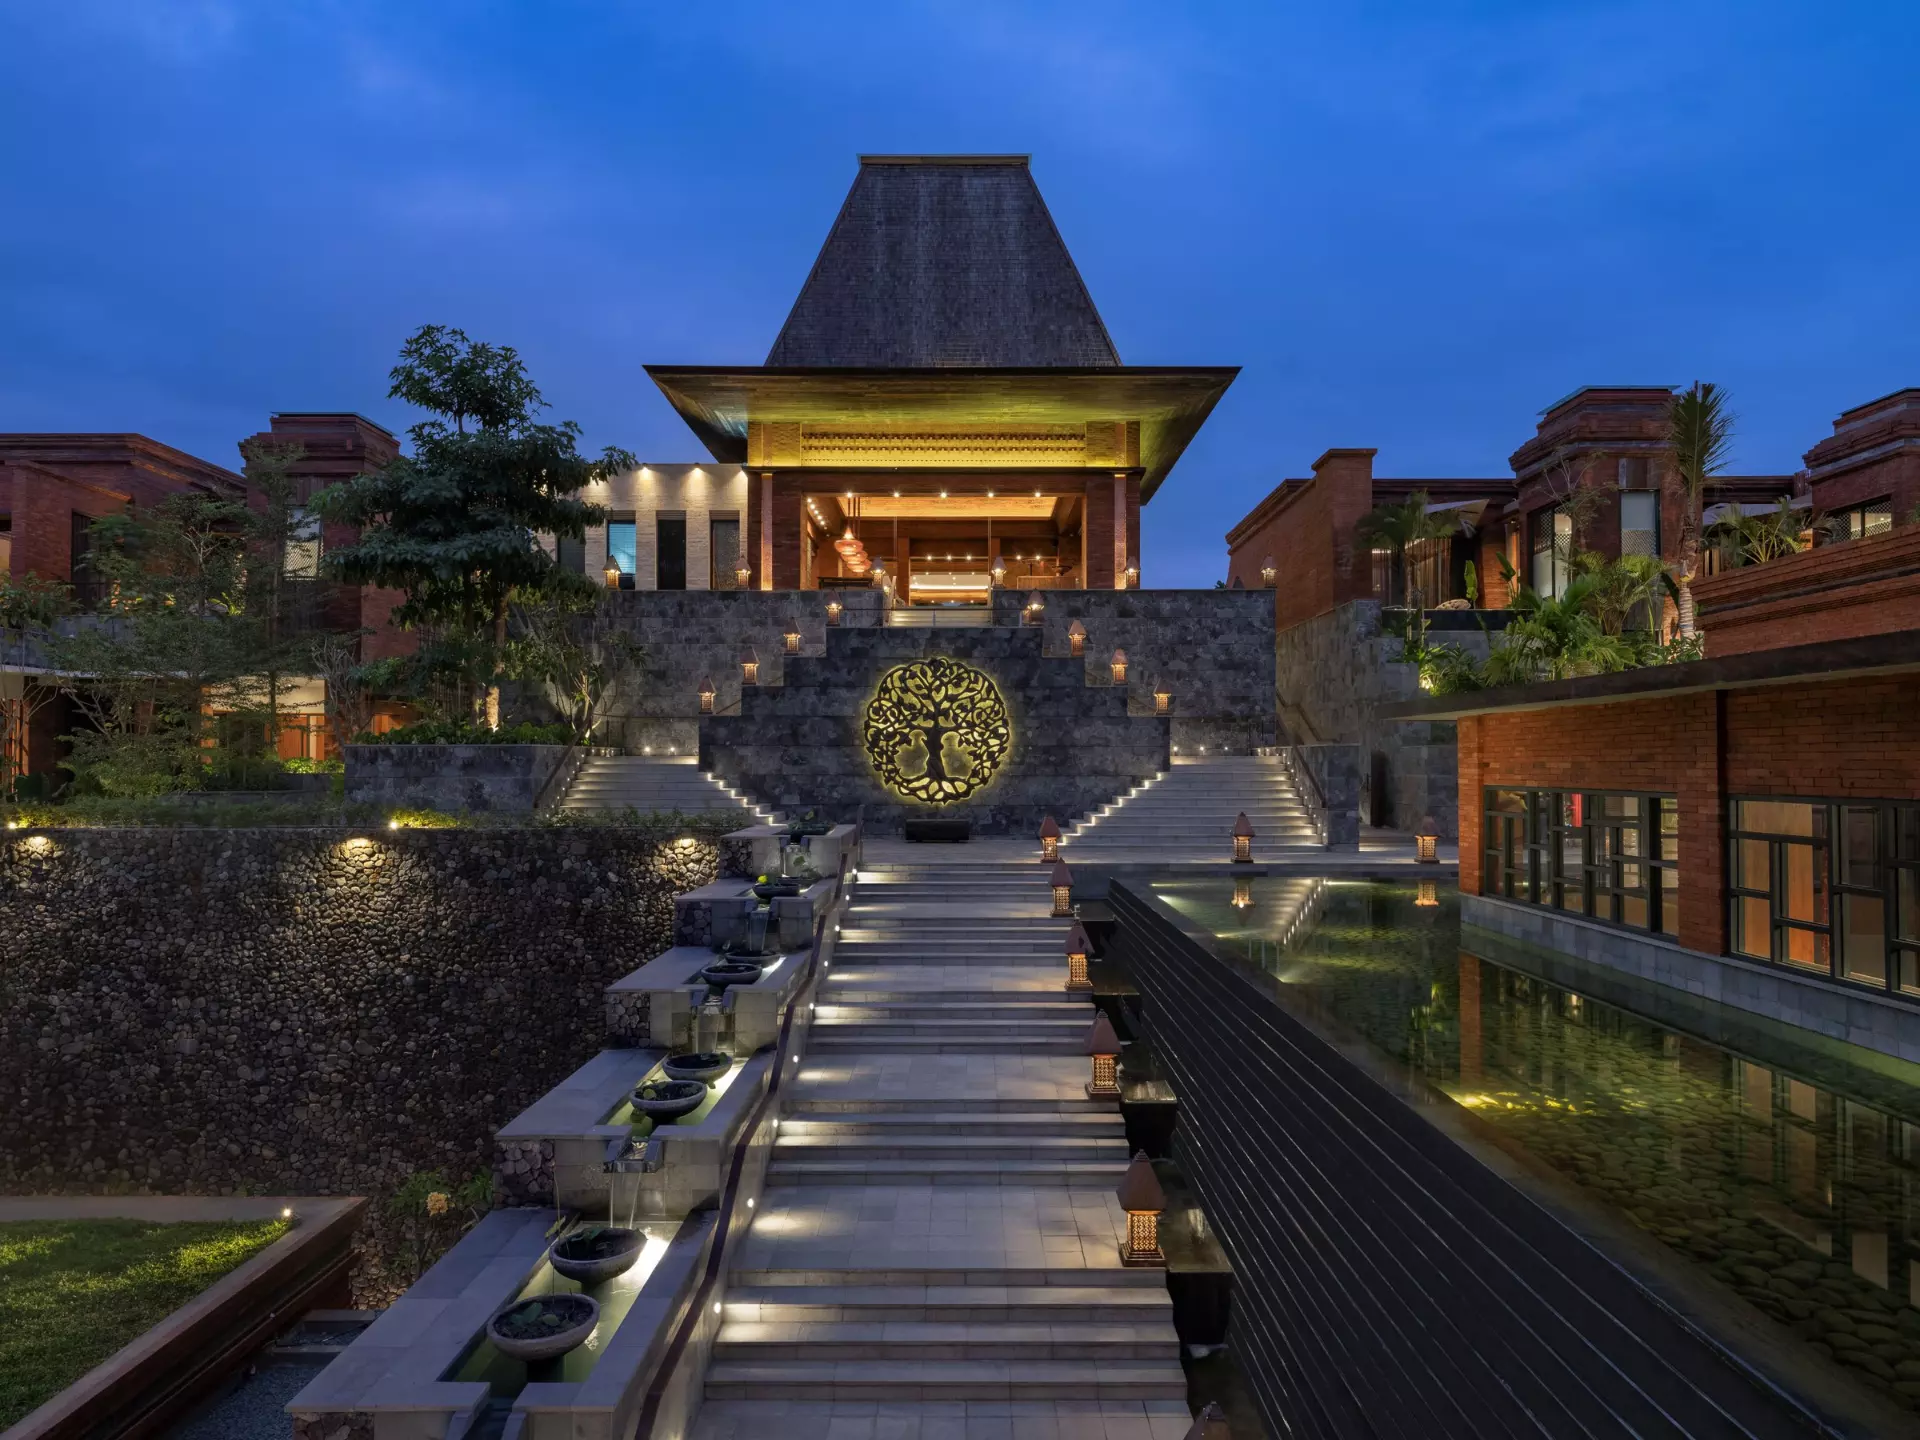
x: 1788, y: 1173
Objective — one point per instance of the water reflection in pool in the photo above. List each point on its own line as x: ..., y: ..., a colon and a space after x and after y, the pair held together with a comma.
x: 1798, y: 1192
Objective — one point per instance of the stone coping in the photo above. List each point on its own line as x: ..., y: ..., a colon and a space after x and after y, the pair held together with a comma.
x: 149, y: 1379
x: 719, y: 1123
x: 679, y: 969
x: 396, y: 1364
x: 579, y: 1104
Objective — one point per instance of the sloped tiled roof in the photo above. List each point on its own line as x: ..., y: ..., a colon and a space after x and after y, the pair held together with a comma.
x: 945, y: 260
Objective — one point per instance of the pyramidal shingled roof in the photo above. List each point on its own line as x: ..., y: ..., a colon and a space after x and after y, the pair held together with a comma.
x: 943, y: 260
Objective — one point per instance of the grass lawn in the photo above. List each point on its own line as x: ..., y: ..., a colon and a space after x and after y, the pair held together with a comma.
x: 74, y: 1291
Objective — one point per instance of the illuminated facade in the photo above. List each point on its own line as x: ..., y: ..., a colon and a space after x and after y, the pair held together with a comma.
x: 943, y: 413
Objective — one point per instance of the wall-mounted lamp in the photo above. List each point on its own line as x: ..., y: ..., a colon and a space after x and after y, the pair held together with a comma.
x: 1242, y: 840
x: 1119, y: 667
x: 706, y: 697
x: 833, y: 612
x: 1143, y: 1199
x: 792, y: 637
x: 1049, y: 840
x: 1426, y: 842
x: 1076, y: 639
x: 1162, y: 699
x: 1062, y: 882
x: 1076, y: 947
x: 749, y: 667
x: 1103, y: 1046
x: 1268, y: 574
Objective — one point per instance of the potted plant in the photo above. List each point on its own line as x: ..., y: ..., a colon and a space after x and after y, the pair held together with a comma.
x: 594, y: 1254
x: 706, y: 1066
x: 663, y: 1100
x: 543, y: 1328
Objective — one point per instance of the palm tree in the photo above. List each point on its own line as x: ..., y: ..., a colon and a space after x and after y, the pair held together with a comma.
x: 1551, y: 638
x: 1400, y: 527
x: 1630, y: 587
x: 1700, y: 429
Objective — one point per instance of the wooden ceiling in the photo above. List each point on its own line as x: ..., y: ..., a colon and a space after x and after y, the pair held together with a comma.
x: 955, y: 507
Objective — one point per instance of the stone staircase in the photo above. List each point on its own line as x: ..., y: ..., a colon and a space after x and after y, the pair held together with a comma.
x: 1187, y: 813
x: 938, y: 1234
x: 652, y: 783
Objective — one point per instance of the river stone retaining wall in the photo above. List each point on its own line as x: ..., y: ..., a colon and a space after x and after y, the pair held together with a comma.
x: 301, y: 1011
x: 1334, y: 672
x: 452, y: 778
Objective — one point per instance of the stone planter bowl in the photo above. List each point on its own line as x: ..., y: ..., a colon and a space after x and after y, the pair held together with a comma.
x: 662, y: 1100
x: 730, y: 972
x: 706, y: 1066
x: 572, y: 1255
x: 778, y: 890
x: 578, y: 1315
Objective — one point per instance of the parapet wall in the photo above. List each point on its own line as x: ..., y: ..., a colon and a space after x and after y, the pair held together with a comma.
x: 302, y: 1011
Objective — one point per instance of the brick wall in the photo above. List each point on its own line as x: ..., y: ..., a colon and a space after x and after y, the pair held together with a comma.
x: 1833, y: 739
x: 1832, y: 592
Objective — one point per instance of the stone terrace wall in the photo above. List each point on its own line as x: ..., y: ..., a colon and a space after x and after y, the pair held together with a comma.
x: 800, y: 745
x: 1213, y: 649
x: 297, y: 1012
x: 1334, y: 672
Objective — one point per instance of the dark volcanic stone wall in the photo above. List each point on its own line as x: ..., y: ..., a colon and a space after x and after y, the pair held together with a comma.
x: 299, y: 1011
x: 800, y: 745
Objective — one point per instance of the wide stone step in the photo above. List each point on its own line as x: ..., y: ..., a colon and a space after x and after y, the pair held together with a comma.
x: 872, y: 992
x: 935, y: 1145
x: 968, y: 1278
x: 998, y: 1044
x: 805, y: 1104
x: 938, y: 1007
x: 1037, y: 1339
x: 975, y: 1174
x: 948, y: 1304
x: 945, y: 1380
x: 953, y: 1122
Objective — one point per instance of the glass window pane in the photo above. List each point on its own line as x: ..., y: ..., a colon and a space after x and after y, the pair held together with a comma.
x: 1908, y: 891
x: 1906, y: 831
x: 1910, y: 971
x: 1633, y: 911
x: 1804, y: 947
x: 1860, y: 846
x: 1511, y: 800
x: 1806, y: 891
x: 1752, y: 870
x: 1864, y: 955
x: 1670, y: 902
x: 1775, y: 817
x: 622, y: 549
x: 1753, y: 928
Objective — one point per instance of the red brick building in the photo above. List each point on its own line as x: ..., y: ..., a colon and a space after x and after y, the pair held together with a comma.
x: 1759, y: 807
x: 1598, y: 462
x: 54, y: 486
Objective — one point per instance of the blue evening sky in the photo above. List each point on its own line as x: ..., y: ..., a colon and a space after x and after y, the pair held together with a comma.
x: 1415, y: 223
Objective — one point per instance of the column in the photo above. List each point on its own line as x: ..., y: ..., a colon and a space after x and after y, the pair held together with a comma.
x: 786, y: 516
x: 1098, y: 572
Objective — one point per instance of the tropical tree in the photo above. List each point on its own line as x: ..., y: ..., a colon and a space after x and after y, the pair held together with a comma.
x: 1700, y: 429
x: 1400, y: 527
x: 577, y: 656
x: 1769, y: 535
x: 1625, y: 590
x: 453, y: 526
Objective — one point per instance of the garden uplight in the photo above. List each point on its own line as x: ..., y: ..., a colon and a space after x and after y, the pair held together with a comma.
x: 1049, y: 839
x: 1242, y: 840
x: 1076, y: 948
x: 1143, y: 1199
x: 1062, y: 882
x: 1426, y: 842
x: 706, y: 697
x: 1103, y: 1046
x: 1076, y: 638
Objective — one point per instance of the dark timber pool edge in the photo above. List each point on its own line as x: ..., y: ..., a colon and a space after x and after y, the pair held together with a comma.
x: 1389, y: 1283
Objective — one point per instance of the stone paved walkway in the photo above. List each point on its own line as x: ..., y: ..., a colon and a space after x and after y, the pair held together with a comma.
x: 936, y: 1255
